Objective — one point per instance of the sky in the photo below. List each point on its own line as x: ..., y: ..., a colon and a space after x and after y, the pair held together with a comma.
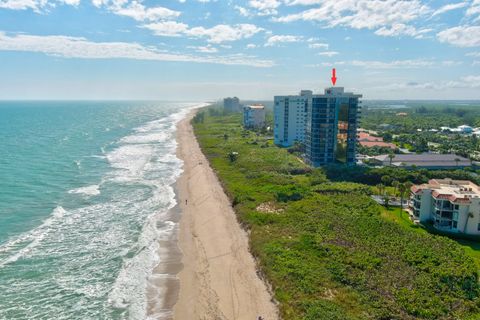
x: 194, y: 50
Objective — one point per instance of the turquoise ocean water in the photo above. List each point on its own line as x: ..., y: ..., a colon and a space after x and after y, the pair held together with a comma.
x: 83, y: 189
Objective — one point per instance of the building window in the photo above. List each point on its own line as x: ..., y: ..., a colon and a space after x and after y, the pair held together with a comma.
x: 454, y: 225
x: 478, y: 227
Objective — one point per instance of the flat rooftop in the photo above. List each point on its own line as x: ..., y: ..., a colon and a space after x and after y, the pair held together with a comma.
x: 331, y: 91
x: 256, y: 106
x: 426, y: 159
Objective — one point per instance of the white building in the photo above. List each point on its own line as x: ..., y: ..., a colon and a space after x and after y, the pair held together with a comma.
x: 254, y: 116
x: 290, y: 115
x: 465, y: 129
x: 452, y: 205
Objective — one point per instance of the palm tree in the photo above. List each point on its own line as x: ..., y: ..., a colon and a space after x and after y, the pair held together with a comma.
x: 391, y: 156
x: 470, y: 215
x: 457, y: 160
x: 386, y: 200
x: 381, y: 188
x: 403, y: 189
x: 395, y: 185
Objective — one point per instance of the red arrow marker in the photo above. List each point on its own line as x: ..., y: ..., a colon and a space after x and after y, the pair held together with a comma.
x: 334, y: 76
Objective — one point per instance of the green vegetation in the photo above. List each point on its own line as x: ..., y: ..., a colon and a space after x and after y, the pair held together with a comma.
x: 410, y: 128
x: 401, y: 218
x: 423, y: 117
x: 386, y: 175
x: 329, y: 251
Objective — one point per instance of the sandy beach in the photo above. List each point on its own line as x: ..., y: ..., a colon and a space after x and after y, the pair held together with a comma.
x: 219, y: 278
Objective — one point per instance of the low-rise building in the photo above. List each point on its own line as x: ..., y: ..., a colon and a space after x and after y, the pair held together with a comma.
x: 451, y: 205
x: 254, y: 116
x: 463, y: 129
x: 423, y: 160
x: 369, y: 141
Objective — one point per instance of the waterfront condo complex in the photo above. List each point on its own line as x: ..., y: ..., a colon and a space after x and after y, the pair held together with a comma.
x: 254, y: 116
x: 325, y: 123
x: 451, y: 205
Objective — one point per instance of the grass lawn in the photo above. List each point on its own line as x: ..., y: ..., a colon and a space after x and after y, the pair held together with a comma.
x: 472, y: 248
x: 399, y: 216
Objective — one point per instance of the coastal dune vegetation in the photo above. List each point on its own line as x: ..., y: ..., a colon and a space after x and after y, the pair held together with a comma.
x: 324, y: 245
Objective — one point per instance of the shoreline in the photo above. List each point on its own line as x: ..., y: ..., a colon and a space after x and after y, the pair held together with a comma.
x: 218, y: 278
x: 163, y: 283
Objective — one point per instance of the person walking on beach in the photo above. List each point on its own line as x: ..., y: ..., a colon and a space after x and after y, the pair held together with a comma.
x: 186, y: 201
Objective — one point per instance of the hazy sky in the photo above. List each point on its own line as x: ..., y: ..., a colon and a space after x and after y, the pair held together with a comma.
x: 206, y: 49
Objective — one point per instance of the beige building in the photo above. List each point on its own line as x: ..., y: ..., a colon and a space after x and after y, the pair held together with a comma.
x: 254, y: 116
x: 451, y: 205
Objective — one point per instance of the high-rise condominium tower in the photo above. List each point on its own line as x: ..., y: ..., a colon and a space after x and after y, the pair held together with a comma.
x: 290, y: 115
x: 331, y: 127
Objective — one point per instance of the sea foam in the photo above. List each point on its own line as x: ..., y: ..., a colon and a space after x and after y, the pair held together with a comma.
x: 100, y: 253
x: 93, y: 190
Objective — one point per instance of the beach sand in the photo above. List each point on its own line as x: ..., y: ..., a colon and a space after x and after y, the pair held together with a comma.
x: 219, y: 277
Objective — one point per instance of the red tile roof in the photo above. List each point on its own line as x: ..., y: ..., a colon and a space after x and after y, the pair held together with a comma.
x: 370, y: 144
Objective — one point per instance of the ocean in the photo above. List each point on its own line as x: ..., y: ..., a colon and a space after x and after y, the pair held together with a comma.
x: 85, y: 194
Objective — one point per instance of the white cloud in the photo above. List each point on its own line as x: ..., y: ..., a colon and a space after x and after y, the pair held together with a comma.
x: 400, y: 29
x: 217, y: 34
x: 167, y: 28
x: 136, y: 10
x: 361, y: 14
x: 328, y: 53
x: 204, y: 49
x: 474, y: 8
x: 418, y: 63
x: 472, y: 81
x: 35, y: 5
x: 318, y: 45
x: 451, y: 63
x: 303, y: 2
x: 139, y: 12
x: 449, y: 7
x: 473, y: 54
x: 251, y: 46
x: 275, y: 40
x: 77, y: 47
x: 461, y: 36
x: 468, y: 82
x: 265, y: 7
x: 374, y: 64
x: 243, y: 11
x: 222, y: 32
